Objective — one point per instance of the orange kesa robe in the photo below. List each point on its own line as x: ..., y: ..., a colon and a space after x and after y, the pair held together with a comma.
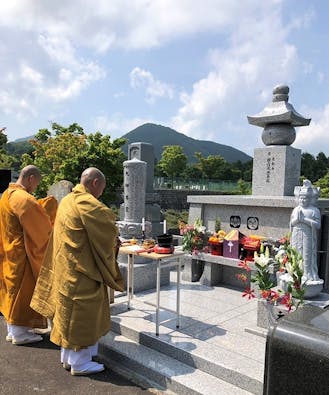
x: 24, y: 232
x: 50, y: 205
x: 79, y: 265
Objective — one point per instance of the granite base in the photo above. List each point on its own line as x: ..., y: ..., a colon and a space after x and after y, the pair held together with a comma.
x: 145, y: 275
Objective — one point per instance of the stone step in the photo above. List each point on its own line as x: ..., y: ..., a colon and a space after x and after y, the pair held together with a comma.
x: 221, y: 363
x: 158, y: 370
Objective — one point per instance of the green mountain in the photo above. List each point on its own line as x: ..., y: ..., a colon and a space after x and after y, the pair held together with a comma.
x: 159, y: 136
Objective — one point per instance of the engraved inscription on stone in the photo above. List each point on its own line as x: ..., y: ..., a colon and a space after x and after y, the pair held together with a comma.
x: 235, y: 221
x: 252, y: 223
x: 270, y: 166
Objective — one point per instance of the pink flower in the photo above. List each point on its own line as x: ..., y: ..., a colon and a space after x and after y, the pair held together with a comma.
x: 242, y: 277
x: 275, y: 296
x: 249, y: 293
x: 265, y: 293
x: 286, y: 300
x: 244, y: 265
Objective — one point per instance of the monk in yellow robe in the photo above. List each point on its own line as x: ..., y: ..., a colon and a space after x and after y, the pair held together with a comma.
x: 24, y: 233
x: 79, y: 265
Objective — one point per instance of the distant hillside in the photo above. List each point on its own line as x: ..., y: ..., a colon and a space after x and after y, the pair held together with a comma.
x: 159, y: 136
x: 19, y: 146
x: 24, y: 139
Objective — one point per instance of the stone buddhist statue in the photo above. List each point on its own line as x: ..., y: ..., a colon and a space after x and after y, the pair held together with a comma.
x: 305, y: 223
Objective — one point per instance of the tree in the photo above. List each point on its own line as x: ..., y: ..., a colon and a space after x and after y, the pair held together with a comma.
x: 242, y: 170
x: 244, y: 188
x: 6, y: 160
x: 173, y: 161
x: 323, y: 183
x: 66, y: 153
x: 308, y: 167
x: 321, y: 165
x: 192, y: 171
x: 214, y: 167
x: 314, y: 168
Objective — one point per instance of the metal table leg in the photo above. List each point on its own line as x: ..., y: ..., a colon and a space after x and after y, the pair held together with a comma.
x: 130, y: 279
x: 157, y: 312
x: 178, y: 267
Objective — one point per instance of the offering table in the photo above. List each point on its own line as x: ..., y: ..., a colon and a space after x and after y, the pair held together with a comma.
x: 162, y: 261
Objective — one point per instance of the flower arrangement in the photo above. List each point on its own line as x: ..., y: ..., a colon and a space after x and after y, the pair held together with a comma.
x: 281, y: 256
x: 290, y: 262
x: 194, y: 236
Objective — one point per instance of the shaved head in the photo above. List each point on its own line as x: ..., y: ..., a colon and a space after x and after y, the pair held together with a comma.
x: 90, y: 174
x: 94, y: 180
x: 29, y: 178
x: 30, y: 170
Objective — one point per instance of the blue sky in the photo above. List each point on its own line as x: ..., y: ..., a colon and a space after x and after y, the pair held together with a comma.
x: 199, y: 67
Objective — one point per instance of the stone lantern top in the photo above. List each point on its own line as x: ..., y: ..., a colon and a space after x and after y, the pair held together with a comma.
x: 279, y: 111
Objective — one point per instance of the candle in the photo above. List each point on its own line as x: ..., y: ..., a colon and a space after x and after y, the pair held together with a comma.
x: 164, y: 226
x: 143, y: 224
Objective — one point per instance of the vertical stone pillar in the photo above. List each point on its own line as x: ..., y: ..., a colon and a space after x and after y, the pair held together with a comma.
x: 134, y: 175
x: 145, y: 152
x: 134, y: 190
x: 276, y: 168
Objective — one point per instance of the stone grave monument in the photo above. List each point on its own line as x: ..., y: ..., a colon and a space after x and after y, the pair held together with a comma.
x: 145, y: 152
x: 134, y: 223
x: 60, y: 189
x: 134, y: 181
x: 276, y: 172
x: 276, y: 168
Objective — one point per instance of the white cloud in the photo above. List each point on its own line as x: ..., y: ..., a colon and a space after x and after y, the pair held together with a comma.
x: 59, y: 49
x: 129, y: 24
x: 59, y: 46
x: 18, y: 106
x: 72, y: 82
x: 242, y: 74
x: 117, y: 125
x: 140, y: 78
x: 31, y: 75
x: 314, y: 138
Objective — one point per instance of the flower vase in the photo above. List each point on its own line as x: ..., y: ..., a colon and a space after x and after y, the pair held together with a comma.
x: 193, y: 268
x: 267, y: 314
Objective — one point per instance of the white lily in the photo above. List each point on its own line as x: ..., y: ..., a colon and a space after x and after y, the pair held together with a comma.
x: 199, y: 227
x: 262, y: 259
x: 290, y: 268
x: 280, y: 256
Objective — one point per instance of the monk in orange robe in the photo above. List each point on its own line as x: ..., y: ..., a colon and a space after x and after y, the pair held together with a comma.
x: 24, y: 233
x: 79, y: 264
x: 50, y: 205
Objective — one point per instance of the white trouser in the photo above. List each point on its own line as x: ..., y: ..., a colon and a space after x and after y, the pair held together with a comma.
x: 18, y: 331
x: 78, y: 358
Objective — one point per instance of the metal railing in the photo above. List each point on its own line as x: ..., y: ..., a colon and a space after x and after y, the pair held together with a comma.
x: 197, y: 185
